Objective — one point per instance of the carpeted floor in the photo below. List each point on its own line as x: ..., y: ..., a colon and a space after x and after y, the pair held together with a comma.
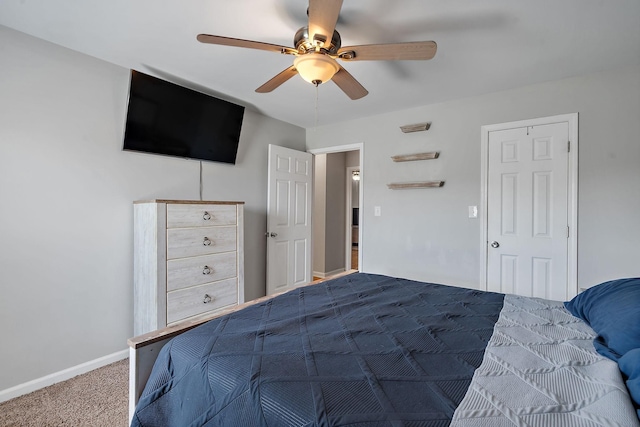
x: 96, y: 399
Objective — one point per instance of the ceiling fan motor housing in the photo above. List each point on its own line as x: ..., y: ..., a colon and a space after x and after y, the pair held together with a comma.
x: 304, y: 44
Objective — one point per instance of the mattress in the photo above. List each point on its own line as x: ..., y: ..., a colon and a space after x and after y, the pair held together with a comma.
x: 369, y: 350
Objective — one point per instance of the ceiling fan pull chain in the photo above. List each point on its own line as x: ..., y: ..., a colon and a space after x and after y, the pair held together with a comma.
x: 316, y: 112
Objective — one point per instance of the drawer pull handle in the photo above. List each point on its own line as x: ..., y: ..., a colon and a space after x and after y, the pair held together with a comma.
x: 207, y: 299
x: 206, y: 241
x: 206, y: 216
x: 206, y: 270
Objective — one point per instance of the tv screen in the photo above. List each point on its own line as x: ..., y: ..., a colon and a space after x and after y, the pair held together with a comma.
x: 164, y: 118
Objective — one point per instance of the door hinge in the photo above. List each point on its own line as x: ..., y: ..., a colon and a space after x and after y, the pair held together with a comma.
x: 568, y: 235
x: 568, y: 146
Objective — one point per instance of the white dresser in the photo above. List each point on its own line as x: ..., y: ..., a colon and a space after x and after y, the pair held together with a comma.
x: 188, y: 260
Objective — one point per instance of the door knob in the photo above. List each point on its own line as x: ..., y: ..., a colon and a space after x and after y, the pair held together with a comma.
x: 495, y: 244
x: 269, y: 234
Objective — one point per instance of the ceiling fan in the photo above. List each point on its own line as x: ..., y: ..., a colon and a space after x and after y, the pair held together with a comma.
x: 319, y: 45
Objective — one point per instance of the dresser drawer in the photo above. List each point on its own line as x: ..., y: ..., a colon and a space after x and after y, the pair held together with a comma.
x: 186, y: 272
x: 196, y: 300
x: 187, y: 242
x: 197, y: 215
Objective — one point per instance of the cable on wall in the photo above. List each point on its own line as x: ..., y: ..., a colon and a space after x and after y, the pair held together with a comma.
x: 200, y: 180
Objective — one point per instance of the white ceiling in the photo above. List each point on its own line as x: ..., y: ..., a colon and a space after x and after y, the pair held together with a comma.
x: 483, y: 46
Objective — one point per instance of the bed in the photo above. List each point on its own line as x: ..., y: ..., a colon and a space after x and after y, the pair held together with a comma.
x: 372, y: 350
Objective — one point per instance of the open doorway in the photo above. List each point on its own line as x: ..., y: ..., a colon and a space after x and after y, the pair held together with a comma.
x: 335, y: 230
x: 353, y: 216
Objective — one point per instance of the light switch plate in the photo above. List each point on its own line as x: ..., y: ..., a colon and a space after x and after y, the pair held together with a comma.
x: 473, y: 212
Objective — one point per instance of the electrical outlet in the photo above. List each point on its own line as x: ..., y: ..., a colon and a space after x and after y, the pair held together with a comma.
x: 376, y: 211
x: 473, y: 212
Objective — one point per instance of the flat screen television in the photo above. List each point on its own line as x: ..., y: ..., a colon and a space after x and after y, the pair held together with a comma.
x: 165, y: 118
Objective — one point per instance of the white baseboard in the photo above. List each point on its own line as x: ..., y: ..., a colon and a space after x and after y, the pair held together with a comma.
x: 324, y: 275
x: 63, y: 375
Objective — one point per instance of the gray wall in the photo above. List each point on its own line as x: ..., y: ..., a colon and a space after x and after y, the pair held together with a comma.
x: 66, y: 193
x: 319, y: 213
x: 329, y: 213
x: 427, y: 235
x: 336, y: 212
x: 353, y: 160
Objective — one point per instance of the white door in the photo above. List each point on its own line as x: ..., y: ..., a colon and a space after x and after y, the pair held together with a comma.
x: 528, y: 211
x: 288, y: 219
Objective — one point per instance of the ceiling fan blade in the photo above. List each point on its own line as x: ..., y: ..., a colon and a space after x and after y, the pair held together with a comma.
x: 323, y: 16
x: 349, y: 84
x: 277, y: 80
x: 228, y: 41
x: 392, y: 51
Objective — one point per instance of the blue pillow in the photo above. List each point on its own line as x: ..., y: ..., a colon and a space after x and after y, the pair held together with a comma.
x: 612, y: 309
x: 629, y: 365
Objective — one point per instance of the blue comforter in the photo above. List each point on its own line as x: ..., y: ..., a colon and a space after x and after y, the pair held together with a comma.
x: 362, y: 350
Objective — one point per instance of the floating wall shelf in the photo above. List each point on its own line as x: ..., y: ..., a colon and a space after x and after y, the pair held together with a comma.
x: 419, y: 127
x: 418, y: 156
x: 411, y: 185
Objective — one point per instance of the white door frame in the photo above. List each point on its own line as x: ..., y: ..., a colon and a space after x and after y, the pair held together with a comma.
x: 572, y: 191
x: 340, y: 149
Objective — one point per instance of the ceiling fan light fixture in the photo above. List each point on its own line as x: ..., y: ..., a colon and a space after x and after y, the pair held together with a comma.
x: 316, y: 68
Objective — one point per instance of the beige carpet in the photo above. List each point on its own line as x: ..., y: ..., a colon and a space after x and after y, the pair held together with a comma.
x: 96, y: 399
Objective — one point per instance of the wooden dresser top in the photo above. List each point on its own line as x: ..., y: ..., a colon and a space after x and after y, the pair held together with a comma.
x: 189, y: 202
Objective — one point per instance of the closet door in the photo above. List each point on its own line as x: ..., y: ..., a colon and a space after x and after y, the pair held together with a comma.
x: 527, y: 211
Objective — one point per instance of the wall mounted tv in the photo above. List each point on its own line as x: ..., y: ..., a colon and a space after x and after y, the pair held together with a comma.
x: 164, y: 118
